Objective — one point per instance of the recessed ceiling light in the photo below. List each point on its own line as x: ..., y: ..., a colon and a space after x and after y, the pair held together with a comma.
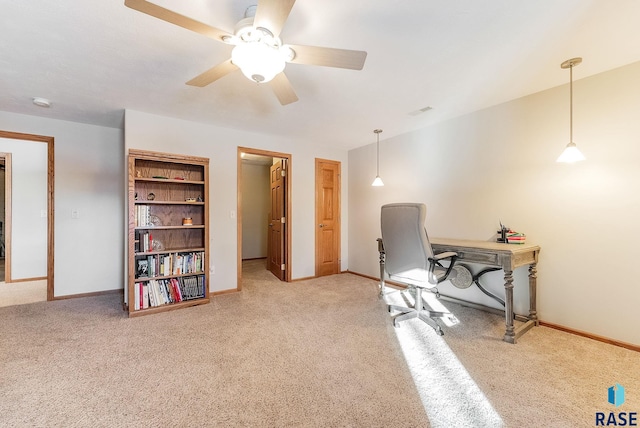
x: 42, y: 102
x: 420, y: 111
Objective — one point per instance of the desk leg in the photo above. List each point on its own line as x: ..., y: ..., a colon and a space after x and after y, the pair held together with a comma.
x: 509, y: 335
x: 533, y: 313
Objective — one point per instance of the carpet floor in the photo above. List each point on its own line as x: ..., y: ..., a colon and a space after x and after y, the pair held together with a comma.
x: 314, y: 353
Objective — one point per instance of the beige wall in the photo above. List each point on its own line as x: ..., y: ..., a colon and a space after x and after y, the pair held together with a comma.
x: 499, y: 164
x: 89, y: 177
x: 152, y: 132
x: 255, y: 210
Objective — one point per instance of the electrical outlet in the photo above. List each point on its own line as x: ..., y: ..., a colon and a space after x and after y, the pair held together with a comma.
x: 212, y: 270
x: 75, y: 214
x: 232, y: 214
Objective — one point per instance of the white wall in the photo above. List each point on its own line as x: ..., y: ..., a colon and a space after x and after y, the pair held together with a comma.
x: 499, y: 164
x: 28, y: 200
x: 151, y: 132
x: 256, y: 203
x: 89, y: 177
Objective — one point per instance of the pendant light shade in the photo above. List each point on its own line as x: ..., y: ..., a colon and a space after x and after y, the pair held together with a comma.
x: 571, y: 153
x: 377, y: 182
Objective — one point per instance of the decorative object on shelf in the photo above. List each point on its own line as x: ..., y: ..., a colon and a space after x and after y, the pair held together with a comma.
x: 377, y: 182
x: 187, y: 221
x: 151, y: 196
x: 160, y: 177
x: 138, y: 174
x: 155, y: 221
x: 190, y: 199
x: 135, y: 196
x: 157, y: 245
x: 571, y: 153
x: 199, y: 199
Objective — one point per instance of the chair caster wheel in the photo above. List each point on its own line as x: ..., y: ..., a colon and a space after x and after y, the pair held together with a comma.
x: 439, y: 331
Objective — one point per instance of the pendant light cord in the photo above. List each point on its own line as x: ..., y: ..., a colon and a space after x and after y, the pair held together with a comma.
x: 378, y: 155
x: 571, y: 104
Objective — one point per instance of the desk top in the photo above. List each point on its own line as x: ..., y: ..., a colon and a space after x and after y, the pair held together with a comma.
x: 485, y: 245
x: 507, y: 256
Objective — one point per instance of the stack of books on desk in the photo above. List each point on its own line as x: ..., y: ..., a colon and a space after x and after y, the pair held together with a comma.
x: 516, y: 238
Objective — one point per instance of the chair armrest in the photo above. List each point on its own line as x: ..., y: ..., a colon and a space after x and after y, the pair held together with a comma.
x: 446, y: 255
x: 435, y: 260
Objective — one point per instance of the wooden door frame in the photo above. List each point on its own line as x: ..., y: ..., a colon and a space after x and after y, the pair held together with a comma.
x: 338, y: 228
x: 49, y: 141
x: 7, y: 216
x: 288, y: 205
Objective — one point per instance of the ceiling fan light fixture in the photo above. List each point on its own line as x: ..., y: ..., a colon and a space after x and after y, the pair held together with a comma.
x: 258, y: 61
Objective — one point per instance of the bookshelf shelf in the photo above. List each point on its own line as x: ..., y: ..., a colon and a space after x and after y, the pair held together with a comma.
x: 167, y: 260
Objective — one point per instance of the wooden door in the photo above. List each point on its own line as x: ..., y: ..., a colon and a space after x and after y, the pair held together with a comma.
x: 327, y: 217
x: 276, y: 236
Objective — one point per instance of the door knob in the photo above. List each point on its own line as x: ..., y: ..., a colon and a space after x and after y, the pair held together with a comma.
x: 321, y: 225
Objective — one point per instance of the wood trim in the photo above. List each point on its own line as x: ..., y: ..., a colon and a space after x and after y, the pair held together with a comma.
x: 7, y: 216
x: 92, y: 294
x: 50, y: 200
x: 305, y: 278
x: 50, y: 218
x: 38, y: 278
x: 288, y: 223
x: 221, y: 292
x: 167, y: 157
x: 254, y: 258
x: 603, y: 339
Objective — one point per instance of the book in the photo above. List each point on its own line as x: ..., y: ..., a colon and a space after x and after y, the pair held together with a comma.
x: 142, y: 268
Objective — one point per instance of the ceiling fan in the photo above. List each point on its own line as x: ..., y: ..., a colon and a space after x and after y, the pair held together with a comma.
x: 258, y: 53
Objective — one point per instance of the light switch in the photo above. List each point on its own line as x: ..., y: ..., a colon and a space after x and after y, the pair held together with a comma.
x: 232, y: 214
x: 75, y: 214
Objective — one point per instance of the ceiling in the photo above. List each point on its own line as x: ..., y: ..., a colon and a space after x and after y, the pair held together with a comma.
x: 94, y: 59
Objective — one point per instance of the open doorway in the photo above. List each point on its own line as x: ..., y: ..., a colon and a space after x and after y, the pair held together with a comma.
x: 27, y: 227
x: 264, y: 210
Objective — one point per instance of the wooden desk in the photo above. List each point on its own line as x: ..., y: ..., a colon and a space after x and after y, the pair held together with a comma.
x: 505, y: 256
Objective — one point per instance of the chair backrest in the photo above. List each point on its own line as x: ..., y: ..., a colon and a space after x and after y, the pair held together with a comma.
x: 405, y: 240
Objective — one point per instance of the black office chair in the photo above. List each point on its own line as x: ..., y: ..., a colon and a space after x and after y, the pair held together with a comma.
x: 406, y: 257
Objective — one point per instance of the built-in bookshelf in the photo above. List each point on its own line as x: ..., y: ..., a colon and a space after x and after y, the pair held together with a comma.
x: 168, y: 240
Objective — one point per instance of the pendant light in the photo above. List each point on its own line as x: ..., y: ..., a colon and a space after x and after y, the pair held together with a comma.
x: 378, y: 181
x: 571, y: 153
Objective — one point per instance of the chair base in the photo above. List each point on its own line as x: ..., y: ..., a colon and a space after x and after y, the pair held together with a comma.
x: 418, y: 311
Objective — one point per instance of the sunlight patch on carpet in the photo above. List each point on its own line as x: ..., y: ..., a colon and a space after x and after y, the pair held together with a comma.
x: 449, y: 395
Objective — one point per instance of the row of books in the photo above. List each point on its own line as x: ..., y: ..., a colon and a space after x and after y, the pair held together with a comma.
x: 170, y: 264
x: 145, y: 242
x: 166, y: 291
x: 142, y: 216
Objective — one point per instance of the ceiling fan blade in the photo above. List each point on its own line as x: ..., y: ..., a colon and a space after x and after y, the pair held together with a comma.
x: 283, y: 89
x: 160, y: 12
x: 272, y: 14
x: 328, y: 57
x: 213, y: 74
